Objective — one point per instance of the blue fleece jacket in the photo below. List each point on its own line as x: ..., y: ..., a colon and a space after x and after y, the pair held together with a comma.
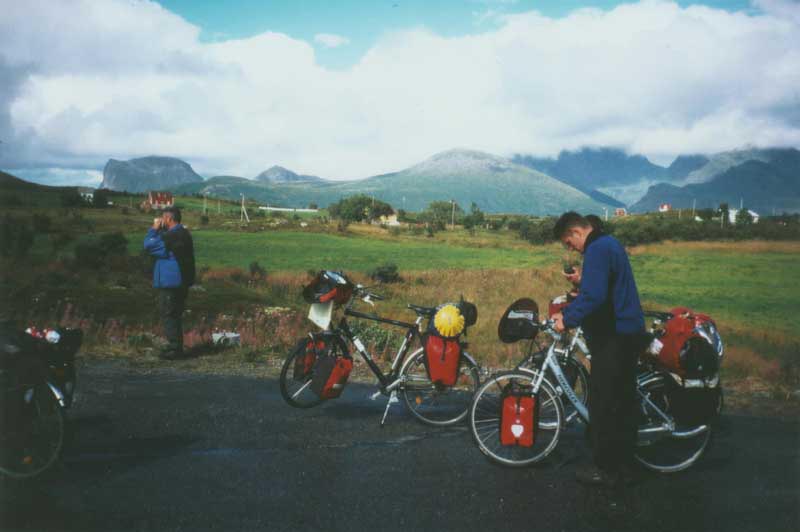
x: 166, y: 271
x: 608, y: 292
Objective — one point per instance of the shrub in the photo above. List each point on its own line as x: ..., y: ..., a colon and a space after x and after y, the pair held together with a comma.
x: 16, y: 238
x: 41, y: 223
x: 204, y: 219
x: 394, y: 231
x: 96, y: 252
x: 59, y: 240
x: 386, y: 273
x: 256, y: 271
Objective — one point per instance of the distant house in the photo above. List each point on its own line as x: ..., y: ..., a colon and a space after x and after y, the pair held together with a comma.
x: 733, y: 212
x: 664, y: 207
x: 87, y: 194
x: 158, y: 200
x: 620, y: 211
x: 390, y: 220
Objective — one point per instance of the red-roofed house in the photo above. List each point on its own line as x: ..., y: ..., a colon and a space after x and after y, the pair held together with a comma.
x: 158, y: 200
x: 664, y: 207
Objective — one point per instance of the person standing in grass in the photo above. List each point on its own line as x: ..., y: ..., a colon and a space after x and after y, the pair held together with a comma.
x: 170, y: 243
x: 608, y: 309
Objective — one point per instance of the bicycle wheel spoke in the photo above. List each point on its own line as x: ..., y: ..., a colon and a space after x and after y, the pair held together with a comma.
x: 303, y: 387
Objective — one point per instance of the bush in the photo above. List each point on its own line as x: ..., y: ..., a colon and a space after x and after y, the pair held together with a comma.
x: 204, y: 219
x: 386, y: 273
x: 256, y: 271
x: 16, y: 238
x: 97, y: 252
x: 41, y: 223
x: 394, y: 231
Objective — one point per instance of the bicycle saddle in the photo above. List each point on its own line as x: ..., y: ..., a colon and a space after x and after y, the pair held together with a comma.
x: 423, y: 311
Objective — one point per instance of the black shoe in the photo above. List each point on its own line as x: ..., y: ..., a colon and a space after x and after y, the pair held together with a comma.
x: 595, y: 476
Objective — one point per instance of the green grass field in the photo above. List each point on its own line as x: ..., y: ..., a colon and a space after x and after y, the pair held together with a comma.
x: 752, y: 287
x: 293, y: 251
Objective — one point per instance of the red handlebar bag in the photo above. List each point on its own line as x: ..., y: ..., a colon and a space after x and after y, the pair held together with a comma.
x: 304, y: 361
x: 330, y: 376
x: 519, y: 416
x: 442, y: 358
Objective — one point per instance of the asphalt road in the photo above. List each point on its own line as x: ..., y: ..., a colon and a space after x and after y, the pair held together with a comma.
x: 181, y: 451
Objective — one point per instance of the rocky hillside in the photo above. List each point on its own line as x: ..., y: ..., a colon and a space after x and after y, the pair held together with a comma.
x: 148, y: 173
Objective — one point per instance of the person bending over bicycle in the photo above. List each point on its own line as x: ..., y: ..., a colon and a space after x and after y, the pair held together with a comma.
x: 608, y: 309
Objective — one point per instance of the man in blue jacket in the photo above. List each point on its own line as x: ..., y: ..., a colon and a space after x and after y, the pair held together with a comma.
x: 171, y: 245
x: 609, y: 311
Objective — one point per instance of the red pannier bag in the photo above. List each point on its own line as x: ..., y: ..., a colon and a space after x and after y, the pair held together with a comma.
x: 442, y: 358
x: 330, y: 376
x: 304, y: 361
x: 518, y: 416
x: 684, y: 349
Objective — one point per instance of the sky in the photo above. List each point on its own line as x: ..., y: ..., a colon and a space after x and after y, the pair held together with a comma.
x: 348, y: 89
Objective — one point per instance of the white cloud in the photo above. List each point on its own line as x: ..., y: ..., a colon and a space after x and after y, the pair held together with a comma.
x: 330, y: 40
x: 123, y: 79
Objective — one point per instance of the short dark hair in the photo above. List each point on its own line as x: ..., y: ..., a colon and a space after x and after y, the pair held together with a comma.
x: 174, y: 212
x: 567, y: 221
x: 594, y: 221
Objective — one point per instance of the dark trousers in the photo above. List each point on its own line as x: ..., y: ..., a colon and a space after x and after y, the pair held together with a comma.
x: 171, y: 302
x: 612, y: 399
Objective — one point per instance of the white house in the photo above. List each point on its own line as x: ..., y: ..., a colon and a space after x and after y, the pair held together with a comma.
x: 732, y: 215
x: 86, y: 193
x: 390, y: 220
x: 664, y: 207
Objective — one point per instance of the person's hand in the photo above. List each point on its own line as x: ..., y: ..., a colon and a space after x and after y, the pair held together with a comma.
x: 558, y: 318
x: 574, y: 277
x: 157, y: 224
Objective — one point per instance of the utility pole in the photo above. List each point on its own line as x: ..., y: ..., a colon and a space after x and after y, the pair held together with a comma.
x: 453, y: 216
x: 244, y: 215
x: 694, y: 204
x: 679, y: 214
x: 205, y: 203
x: 219, y: 207
x: 605, y: 210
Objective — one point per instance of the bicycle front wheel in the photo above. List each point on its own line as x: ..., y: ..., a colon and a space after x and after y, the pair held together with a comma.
x: 485, y: 422
x: 296, y: 388
x: 434, y: 404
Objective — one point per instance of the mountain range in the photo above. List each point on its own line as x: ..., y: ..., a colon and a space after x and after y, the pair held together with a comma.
x: 495, y: 184
x: 587, y: 180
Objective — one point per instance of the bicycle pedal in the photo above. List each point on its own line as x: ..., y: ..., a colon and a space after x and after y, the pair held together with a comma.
x: 375, y: 395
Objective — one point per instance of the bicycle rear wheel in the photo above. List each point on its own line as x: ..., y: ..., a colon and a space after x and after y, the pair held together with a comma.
x: 35, y: 439
x: 297, y: 391
x: 434, y: 404
x: 667, y: 453
x: 484, y: 420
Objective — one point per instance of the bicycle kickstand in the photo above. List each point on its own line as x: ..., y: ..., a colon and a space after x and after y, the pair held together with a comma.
x: 392, y: 399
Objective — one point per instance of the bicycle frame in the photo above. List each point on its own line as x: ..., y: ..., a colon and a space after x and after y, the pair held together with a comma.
x: 390, y: 381
x: 667, y: 426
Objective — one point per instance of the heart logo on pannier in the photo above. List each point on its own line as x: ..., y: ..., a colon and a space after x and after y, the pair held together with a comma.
x: 517, y: 430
